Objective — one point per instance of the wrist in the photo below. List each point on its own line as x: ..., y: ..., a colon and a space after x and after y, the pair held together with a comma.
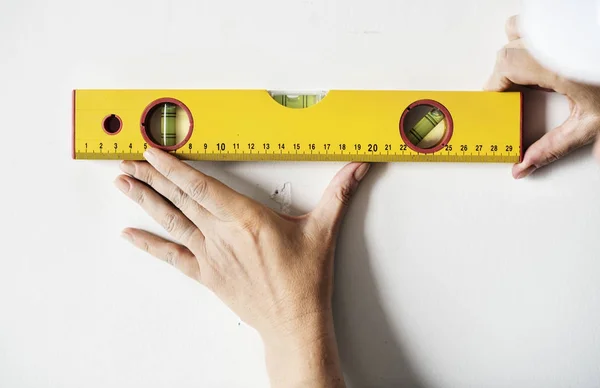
x: 304, y: 354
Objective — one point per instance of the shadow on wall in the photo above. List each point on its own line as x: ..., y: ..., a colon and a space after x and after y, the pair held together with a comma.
x: 371, y: 354
x: 534, y: 115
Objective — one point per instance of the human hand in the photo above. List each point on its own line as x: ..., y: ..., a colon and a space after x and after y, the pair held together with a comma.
x: 274, y: 271
x: 515, y: 66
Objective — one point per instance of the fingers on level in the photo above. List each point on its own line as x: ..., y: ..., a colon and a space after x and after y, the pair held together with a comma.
x: 208, y: 192
x: 149, y: 175
x: 163, y: 212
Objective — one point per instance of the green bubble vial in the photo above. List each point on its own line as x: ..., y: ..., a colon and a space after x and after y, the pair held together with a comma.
x: 298, y: 100
x: 168, y: 124
x: 425, y: 125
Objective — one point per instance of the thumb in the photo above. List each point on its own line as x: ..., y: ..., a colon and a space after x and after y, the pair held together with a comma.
x: 552, y: 146
x: 336, y: 198
x: 516, y: 66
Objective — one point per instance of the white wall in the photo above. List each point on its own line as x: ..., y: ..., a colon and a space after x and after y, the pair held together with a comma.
x: 487, y: 282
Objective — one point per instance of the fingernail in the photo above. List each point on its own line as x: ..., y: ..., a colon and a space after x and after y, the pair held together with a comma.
x: 127, y: 167
x: 360, y: 172
x: 123, y: 185
x: 127, y: 236
x: 149, y: 155
x: 528, y: 171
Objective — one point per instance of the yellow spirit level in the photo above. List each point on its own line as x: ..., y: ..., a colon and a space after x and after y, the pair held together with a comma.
x: 338, y: 125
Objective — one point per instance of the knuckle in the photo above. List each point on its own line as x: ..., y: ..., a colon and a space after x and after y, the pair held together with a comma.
x: 510, y: 63
x: 170, y: 222
x: 145, y: 247
x: 171, y: 257
x: 344, y: 194
x: 146, y: 175
x: 249, y: 210
x: 198, y: 189
x: 178, y: 197
x: 139, y: 196
x: 535, y: 156
x: 187, y: 234
x: 558, y: 145
x: 168, y: 171
x: 174, y: 253
x: 541, y: 157
x: 253, y: 218
x: 251, y: 227
x: 550, y: 156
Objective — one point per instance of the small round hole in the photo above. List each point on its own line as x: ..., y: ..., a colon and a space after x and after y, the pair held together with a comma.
x: 167, y: 124
x: 112, y: 124
x: 426, y: 126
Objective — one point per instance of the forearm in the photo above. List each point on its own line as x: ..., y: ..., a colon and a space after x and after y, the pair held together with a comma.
x: 307, y: 357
